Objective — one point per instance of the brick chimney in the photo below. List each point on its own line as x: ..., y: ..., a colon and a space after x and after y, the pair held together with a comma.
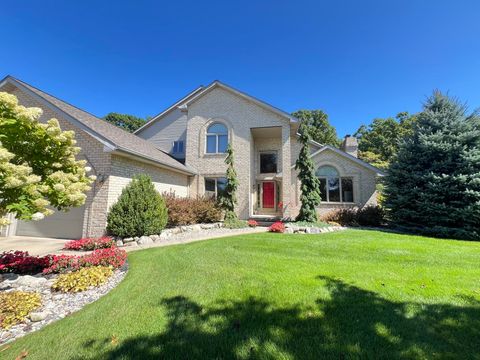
x: 350, y: 145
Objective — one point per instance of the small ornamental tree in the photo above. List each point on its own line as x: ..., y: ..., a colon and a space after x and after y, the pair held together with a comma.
x: 433, y: 183
x: 228, y: 199
x: 310, y: 185
x: 38, y: 169
x: 140, y: 210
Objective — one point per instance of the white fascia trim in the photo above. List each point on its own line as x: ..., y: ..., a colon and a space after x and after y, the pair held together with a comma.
x: 243, y: 95
x: 167, y: 110
x: 54, y: 108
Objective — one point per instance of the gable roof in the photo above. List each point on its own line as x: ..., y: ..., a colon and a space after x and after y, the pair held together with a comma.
x: 167, y: 110
x: 202, y: 90
x: 350, y: 157
x: 114, y: 138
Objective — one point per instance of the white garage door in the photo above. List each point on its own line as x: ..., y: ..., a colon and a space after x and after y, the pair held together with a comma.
x: 65, y: 225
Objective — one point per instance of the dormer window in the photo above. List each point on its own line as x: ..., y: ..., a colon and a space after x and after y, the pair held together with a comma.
x: 216, y: 139
x: 177, y: 147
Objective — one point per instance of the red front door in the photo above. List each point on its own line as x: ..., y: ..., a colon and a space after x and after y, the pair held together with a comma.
x: 269, y: 194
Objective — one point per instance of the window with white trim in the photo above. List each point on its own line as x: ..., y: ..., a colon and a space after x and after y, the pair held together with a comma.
x: 334, y: 188
x: 216, y: 139
x: 177, y: 147
x: 214, y: 187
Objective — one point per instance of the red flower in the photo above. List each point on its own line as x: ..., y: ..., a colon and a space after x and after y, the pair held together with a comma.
x: 252, y: 223
x: 278, y: 227
x: 20, y: 262
x: 88, y: 244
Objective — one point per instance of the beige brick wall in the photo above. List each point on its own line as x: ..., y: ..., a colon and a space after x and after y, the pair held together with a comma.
x: 92, y: 150
x: 240, y: 115
x: 124, y: 169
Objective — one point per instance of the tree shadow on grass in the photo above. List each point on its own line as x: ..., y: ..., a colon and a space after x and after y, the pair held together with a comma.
x: 353, y: 323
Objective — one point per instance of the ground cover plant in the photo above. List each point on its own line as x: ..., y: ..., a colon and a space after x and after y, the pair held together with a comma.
x: 88, y: 244
x: 21, y: 262
x: 16, y: 305
x: 344, y: 295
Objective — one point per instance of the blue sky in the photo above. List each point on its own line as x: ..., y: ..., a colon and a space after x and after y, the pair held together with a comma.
x: 356, y: 60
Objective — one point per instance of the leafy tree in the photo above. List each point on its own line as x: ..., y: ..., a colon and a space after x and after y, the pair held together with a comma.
x: 318, y: 126
x: 310, y: 185
x: 38, y: 169
x: 434, y: 181
x: 127, y: 122
x: 227, y: 199
x: 140, y: 210
x: 378, y: 142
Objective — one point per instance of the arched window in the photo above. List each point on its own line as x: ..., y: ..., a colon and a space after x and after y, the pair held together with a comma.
x: 216, y: 139
x: 334, y: 188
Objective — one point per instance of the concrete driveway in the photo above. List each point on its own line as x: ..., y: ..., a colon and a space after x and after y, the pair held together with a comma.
x: 34, y: 245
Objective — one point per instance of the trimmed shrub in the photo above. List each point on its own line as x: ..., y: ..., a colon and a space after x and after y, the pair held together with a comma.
x: 277, y: 227
x: 88, y: 244
x: 371, y: 215
x: 113, y: 257
x: 345, y: 217
x: 82, y: 279
x: 188, y: 211
x: 20, y: 262
x: 140, y: 210
x: 232, y: 222
x: 15, y: 306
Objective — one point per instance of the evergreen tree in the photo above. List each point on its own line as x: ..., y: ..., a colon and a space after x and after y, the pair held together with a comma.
x: 140, y: 210
x: 228, y: 199
x: 310, y: 185
x: 434, y: 181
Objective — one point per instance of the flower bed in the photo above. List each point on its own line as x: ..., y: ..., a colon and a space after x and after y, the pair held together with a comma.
x: 101, y: 257
x: 20, y: 262
x: 88, y: 244
x: 278, y: 227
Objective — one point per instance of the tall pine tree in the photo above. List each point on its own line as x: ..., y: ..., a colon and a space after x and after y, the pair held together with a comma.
x: 228, y: 198
x: 310, y: 185
x: 434, y: 181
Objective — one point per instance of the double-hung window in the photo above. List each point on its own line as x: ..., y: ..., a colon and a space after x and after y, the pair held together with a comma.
x: 334, y: 188
x: 214, y: 187
x: 216, y: 139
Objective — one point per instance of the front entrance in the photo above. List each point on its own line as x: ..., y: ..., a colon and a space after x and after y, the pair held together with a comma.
x: 268, y: 197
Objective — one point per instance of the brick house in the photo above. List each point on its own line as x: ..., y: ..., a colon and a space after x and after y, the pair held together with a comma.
x: 183, y: 150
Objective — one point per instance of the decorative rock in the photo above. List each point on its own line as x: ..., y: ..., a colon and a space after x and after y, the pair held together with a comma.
x: 30, y: 281
x: 132, y: 243
x: 127, y: 240
x: 154, y: 237
x: 119, y: 243
x: 207, y: 226
x: 144, y: 240
x: 38, y: 316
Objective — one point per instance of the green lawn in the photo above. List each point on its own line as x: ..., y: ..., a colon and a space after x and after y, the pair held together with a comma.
x: 352, y: 294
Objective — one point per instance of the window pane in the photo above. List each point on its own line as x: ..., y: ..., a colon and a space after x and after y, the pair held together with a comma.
x: 333, y: 189
x: 217, y: 129
x: 221, y: 184
x: 211, y: 144
x: 347, y: 190
x: 210, y: 185
x: 268, y: 163
x: 180, y: 146
x: 327, y: 171
x: 323, y: 189
x: 175, y: 147
x: 222, y: 143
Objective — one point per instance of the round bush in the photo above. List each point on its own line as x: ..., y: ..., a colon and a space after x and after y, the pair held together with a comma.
x: 140, y: 210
